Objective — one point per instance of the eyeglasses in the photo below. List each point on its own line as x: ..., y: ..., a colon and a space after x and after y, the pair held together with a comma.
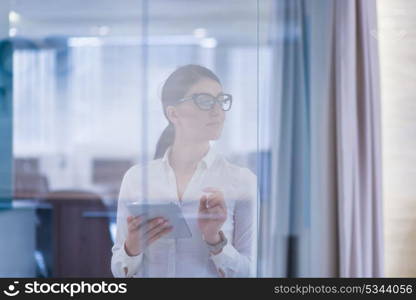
x: 206, y: 101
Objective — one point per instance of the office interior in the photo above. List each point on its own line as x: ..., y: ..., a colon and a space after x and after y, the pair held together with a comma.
x: 80, y: 86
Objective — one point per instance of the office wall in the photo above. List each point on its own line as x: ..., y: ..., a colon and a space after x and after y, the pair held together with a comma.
x: 397, y: 39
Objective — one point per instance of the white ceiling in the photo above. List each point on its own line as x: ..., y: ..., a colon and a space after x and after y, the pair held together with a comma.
x: 226, y: 20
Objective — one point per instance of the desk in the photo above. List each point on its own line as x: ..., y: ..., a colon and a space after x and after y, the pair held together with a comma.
x: 18, y: 239
x: 71, y: 233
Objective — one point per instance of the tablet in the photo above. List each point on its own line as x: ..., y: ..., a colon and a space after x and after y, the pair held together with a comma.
x: 168, y: 210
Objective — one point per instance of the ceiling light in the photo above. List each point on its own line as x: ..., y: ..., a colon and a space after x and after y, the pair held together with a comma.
x: 12, y: 32
x: 14, y: 17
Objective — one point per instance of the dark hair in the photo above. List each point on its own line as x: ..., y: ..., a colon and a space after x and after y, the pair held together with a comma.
x: 175, y: 88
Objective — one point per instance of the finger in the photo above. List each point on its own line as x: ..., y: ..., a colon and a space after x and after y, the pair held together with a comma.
x: 159, y: 235
x: 130, y: 227
x: 202, y: 203
x: 216, y: 202
x: 208, y: 201
x: 215, y: 209
x: 157, y: 229
x: 131, y: 219
x: 134, y: 223
x: 150, y: 224
x: 216, y: 194
x: 138, y: 220
x: 212, y: 200
x: 216, y: 212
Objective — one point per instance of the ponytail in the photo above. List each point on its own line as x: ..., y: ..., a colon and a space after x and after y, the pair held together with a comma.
x: 166, y: 139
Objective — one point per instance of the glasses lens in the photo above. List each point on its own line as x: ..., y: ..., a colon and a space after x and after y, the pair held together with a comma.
x: 205, y: 102
x: 225, y: 101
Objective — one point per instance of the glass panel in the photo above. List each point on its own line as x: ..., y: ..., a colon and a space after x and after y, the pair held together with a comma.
x: 213, y: 52
x: 76, y: 127
x: 86, y: 97
x: 90, y: 99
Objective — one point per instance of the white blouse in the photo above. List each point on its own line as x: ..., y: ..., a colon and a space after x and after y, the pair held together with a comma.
x: 189, y: 257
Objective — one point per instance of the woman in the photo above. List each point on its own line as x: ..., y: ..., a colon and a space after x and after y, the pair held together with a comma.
x: 187, y: 171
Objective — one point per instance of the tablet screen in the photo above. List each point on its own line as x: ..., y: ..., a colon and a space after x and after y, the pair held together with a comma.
x: 170, y: 211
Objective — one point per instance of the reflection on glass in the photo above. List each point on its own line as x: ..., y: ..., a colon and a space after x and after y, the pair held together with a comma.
x: 216, y: 197
x: 82, y: 104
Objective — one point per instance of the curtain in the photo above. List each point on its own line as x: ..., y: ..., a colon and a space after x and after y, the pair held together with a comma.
x: 324, y: 214
x: 355, y: 92
x: 285, y: 215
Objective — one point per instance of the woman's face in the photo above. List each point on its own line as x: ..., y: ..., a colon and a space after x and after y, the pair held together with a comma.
x: 195, y: 124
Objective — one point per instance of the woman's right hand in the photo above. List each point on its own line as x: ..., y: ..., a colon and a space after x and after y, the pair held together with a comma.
x: 140, y: 236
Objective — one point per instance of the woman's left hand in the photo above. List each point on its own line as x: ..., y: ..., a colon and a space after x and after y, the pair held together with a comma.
x: 212, y: 214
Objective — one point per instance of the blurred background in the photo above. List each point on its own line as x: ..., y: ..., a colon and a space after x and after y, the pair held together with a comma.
x: 80, y: 104
x: 81, y: 78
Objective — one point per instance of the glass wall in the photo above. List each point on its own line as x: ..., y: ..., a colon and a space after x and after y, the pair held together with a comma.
x: 91, y: 100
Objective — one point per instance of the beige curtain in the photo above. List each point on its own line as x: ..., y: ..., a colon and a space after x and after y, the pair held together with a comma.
x: 346, y: 184
x: 356, y: 98
x: 335, y: 187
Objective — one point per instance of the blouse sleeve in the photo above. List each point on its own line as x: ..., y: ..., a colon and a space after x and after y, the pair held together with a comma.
x: 238, y: 258
x: 123, y: 265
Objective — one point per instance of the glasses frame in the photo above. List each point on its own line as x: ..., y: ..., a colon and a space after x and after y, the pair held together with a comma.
x: 195, y: 96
